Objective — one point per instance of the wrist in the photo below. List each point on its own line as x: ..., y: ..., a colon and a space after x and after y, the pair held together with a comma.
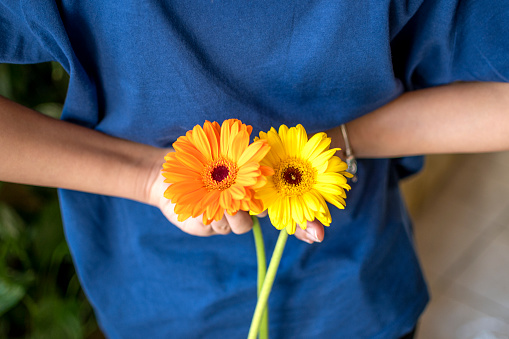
x: 148, y: 177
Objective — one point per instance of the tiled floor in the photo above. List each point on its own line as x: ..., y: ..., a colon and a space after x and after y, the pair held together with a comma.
x: 462, y: 235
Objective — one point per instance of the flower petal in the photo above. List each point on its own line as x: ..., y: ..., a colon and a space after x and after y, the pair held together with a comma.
x: 238, y: 144
x: 336, y: 165
x: 201, y: 142
x: 277, y: 149
x: 225, y: 198
x: 297, y: 210
x: 330, y: 178
x: 212, y: 134
x: 190, y: 161
x: 238, y: 192
x: 254, y: 152
x: 322, y: 160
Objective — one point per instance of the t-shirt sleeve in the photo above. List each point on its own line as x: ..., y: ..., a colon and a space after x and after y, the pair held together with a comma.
x: 18, y: 42
x: 447, y: 41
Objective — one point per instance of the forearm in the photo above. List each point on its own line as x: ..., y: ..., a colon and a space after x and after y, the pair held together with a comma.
x: 456, y: 118
x: 39, y: 150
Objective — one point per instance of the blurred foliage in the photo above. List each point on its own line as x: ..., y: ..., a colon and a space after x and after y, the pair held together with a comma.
x: 40, y: 296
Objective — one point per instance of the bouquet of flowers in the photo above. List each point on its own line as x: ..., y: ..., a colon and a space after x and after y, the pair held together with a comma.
x: 215, y: 169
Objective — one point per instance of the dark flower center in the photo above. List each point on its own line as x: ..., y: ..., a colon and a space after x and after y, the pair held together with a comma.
x: 220, y: 173
x: 292, y: 176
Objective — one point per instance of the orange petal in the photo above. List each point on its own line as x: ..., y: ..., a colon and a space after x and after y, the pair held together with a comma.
x: 190, y: 161
x: 181, y: 188
x: 260, y: 182
x: 254, y: 152
x: 198, y: 209
x: 190, y: 149
x: 178, y: 168
x: 213, y: 138
x: 224, y: 138
x: 238, y: 145
x: 201, y: 142
x: 214, y: 211
x: 192, y: 197
x: 244, y: 205
x: 266, y: 170
x: 172, y: 177
x: 256, y: 206
x: 250, y: 169
x: 246, y: 180
x: 238, y: 192
x: 249, y: 129
x: 210, y: 198
x: 183, y: 217
x: 225, y: 199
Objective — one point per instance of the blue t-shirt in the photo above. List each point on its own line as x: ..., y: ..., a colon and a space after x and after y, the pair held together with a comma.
x: 150, y: 70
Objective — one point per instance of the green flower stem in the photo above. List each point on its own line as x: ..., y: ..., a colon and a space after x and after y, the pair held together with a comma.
x: 267, y: 284
x: 262, y: 270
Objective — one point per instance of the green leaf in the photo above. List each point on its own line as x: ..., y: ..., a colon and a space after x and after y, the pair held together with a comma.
x: 51, y: 109
x: 56, y: 318
x: 10, y: 295
x: 49, y: 237
x: 11, y: 224
x: 5, y: 83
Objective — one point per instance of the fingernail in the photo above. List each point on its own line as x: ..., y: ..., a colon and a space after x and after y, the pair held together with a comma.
x: 308, y: 241
x: 311, y: 235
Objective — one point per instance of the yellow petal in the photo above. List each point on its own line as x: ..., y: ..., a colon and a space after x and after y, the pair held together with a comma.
x: 291, y: 227
x: 335, y: 200
x: 330, y: 178
x: 283, y: 130
x: 302, y: 138
x: 322, y: 159
x: 311, y: 201
x: 290, y: 142
x: 324, y: 209
x: 322, y: 146
x: 311, y: 145
x: 308, y: 214
x: 297, y: 211
x: 336, y: 165
x: 331, y: 189
x: 277, y: 150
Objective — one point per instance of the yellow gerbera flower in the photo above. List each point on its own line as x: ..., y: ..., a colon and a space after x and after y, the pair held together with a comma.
x: 306, y: 175
x: 214, y: 169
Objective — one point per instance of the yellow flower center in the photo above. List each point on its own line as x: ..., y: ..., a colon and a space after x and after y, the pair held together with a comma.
x: 294, y: 176
x: 219, y: 174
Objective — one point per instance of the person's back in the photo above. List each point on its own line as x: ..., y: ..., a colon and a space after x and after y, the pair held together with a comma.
x: 149, y: 71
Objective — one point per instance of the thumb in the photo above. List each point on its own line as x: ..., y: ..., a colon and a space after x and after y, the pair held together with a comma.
x: 314, y: 232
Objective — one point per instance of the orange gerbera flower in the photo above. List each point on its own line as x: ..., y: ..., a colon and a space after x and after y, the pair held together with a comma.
x: 214, y: 169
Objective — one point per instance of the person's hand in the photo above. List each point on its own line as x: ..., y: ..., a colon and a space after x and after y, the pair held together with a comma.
x: 239, y: 223
x: 314, y: 232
